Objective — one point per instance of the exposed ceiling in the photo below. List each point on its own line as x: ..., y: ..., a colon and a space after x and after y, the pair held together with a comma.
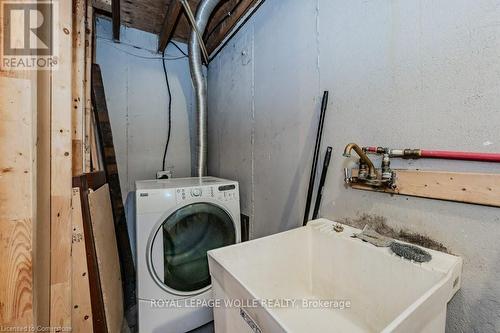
x: 151, y: 16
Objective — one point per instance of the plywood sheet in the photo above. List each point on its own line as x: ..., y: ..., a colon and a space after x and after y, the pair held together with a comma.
x: 107, y: 256
x: 81, y: 317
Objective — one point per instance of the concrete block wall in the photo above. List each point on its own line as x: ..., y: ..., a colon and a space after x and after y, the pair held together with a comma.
x: 407, y: 74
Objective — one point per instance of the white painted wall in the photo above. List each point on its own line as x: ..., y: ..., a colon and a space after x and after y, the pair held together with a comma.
x: 407, y: 74
x: 137, y: 99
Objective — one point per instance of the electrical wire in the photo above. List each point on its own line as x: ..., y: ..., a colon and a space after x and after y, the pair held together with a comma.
x: 164, y: 57
x: 178, y: 48
x: 169, y: 111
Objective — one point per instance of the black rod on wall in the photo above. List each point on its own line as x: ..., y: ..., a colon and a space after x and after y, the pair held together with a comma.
x: 322, y: 181
x: 317, y: 147
x: 115, y: 14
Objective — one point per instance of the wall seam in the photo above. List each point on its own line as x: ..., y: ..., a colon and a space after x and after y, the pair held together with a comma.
x: 252, y: 144
x: 127, y: 119
x: 318, y: 50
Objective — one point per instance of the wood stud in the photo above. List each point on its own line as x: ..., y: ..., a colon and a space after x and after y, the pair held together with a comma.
x: 113, y: 179
x: 169, y: 24
x: 82, y: 308
x: 61, y: 174
x: 116, y: 16
x: 78, y: 86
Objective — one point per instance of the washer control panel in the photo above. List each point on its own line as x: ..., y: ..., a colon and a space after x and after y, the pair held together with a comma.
x: 196, y: 192
x: 223, y: 193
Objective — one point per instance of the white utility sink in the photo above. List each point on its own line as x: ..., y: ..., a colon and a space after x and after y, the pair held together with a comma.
x: 362, y: 288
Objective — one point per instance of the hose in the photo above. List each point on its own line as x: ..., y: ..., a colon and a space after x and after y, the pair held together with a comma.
x: 437, y: 154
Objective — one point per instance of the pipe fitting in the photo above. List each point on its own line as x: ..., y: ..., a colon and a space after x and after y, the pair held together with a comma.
x: 372, y: 172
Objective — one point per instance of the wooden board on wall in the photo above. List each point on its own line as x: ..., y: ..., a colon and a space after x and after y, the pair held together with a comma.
x: 475, y: 188
x: 61, y: 172
x: 81, y: 317
x: 95, y: 150
x: 16, y: 201
x: 78, y: 86
x: 111, y: 169
x: 89, y: 43
x: 35, y: 188
x: 86, y: 183
x: 42, y: 225
x: 107, y: 256
x: 18, y: 192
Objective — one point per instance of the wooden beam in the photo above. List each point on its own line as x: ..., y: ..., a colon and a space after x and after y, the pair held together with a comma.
x: 116, y: 15
x: 18, y: 195
x: 43, y: 219
x: 169, y: 24
x: 61, y: 173
x: 78, y: 86
x: 85, y: 183
x: 225, y: 19
x: 16, y: 201
x: 150, y: 16
x: 145, y: 15
x: 111, y: 169
x: 81, y: 318
x: 95, y: 151
x: 89, y: 46
x: 183, y: 30
x: 108, y: 262
x: 101, y: 5
x: 474, y: 188
x: 42, y: 226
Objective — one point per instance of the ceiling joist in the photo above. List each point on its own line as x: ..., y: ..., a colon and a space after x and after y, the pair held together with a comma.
x: 166, y: 18
x: 224, y: 20
x: 169, y: 25
x: 116, y: 14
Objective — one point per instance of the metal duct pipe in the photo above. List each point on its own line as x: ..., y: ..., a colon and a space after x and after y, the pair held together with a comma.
x: 205, y: 9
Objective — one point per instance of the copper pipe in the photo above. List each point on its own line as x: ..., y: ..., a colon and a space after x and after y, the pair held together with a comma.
x: 363, y: 157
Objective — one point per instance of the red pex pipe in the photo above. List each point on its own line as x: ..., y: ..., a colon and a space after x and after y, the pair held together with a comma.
x: 444, y: 154
x: 459, y: 155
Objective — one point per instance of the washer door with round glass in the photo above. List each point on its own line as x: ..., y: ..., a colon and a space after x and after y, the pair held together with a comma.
x: 178, y: 250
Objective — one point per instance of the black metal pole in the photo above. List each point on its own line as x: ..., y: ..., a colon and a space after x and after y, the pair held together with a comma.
x: 324, y: 105
x: 322, y: 180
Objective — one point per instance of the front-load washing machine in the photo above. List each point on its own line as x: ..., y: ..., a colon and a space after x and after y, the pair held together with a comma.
x: 178, y: 221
